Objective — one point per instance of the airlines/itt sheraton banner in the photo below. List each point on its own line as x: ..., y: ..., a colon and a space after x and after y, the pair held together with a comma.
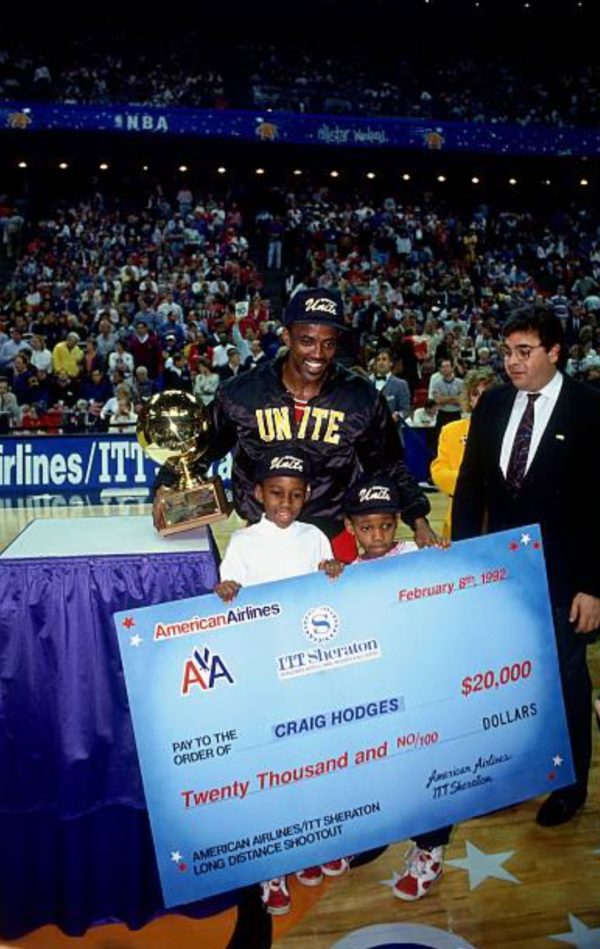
x: 313, y: 719
x: 67, y: 463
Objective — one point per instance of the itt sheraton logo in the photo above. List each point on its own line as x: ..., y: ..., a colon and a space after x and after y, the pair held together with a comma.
x: 321, y: 625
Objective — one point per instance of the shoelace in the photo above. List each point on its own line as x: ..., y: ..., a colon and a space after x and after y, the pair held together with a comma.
x: 420, y: 862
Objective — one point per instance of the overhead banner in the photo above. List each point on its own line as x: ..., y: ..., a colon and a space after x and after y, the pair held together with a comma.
x: 301, y: 129
x: 310, y: 719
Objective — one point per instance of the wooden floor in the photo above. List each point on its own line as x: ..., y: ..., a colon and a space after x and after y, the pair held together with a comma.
x: 522, y: 886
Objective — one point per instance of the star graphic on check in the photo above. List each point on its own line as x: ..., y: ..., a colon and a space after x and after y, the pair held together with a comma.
x: 525, y: 539
x: 175, y: 856
x: 136, y: 640
x: 580, y: 936
x: 128, y: 622
x: 557, y: 761
x: 480, y: 865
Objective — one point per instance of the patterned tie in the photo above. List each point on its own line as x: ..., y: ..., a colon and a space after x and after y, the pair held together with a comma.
x: 517, y: 463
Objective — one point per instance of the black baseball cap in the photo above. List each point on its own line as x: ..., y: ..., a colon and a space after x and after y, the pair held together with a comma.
x: 283, y: 463
x: 315, y: 306
x: 373, y: 495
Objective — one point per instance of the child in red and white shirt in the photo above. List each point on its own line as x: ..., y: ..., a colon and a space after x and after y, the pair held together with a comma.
x: 372, y: 509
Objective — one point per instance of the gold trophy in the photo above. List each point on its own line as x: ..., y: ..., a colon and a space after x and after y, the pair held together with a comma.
x: 174, y: 430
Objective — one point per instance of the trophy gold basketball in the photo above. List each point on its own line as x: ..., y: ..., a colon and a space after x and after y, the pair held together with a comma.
x: 174, y: 430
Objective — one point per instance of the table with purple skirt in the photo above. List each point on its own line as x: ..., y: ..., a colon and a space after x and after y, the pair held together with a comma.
x: 75, y: 843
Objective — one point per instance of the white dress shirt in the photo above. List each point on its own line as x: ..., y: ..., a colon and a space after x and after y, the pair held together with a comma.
x: 380, y: 382
x: 542, y: 410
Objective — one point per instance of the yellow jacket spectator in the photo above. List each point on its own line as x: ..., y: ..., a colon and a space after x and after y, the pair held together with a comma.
x: 67, y: 356
x: 453, y: 438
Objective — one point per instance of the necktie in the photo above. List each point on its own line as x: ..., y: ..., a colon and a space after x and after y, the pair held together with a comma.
x: 517, y: 463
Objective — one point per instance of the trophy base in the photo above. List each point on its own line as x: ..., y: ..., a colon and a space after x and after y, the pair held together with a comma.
x: 187, y: 509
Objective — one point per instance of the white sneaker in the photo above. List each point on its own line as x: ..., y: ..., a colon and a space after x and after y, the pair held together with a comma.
x: 336, y: 868
x: 310, y: 876
x: 276, y: 896
x: 422, y: 869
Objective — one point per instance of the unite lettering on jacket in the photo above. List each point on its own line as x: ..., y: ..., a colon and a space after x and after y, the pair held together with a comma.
x: 317, y: 424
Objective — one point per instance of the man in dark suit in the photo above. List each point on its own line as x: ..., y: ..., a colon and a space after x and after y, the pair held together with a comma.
x: 530, y: 446
x: 574, y: 323
x: 395, y: 391
x: 233, y: 367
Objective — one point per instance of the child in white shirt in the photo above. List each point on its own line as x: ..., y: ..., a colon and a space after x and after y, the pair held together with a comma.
x: 276, y: 548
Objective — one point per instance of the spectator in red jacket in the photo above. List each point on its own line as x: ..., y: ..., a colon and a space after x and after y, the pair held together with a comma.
x: 146, y: 350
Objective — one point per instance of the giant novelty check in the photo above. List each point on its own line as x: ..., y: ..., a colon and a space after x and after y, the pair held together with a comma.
x: 312, y: 718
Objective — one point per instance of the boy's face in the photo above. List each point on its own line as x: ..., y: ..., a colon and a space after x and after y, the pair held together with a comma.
x: 375, y: 533
x: 282, y: 498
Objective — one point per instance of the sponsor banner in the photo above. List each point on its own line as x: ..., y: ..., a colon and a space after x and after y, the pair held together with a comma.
x: 311, y: 719
x: 79, y: 463
x: 300, y: 129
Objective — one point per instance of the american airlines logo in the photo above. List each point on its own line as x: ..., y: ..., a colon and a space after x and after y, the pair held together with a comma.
x: 376, y: 492
x: 286, y: 461
x: 322, y: 305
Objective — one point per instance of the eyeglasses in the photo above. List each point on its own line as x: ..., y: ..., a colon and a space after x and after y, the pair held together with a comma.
x: 522, y: 353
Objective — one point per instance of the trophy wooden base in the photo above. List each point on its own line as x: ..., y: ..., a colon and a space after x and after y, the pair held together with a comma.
x: 189, y: 508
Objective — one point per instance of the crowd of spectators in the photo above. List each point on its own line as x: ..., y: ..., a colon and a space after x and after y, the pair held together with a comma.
x: 474, y: 87
x: 433, y: 283
x: 463, y: 88
x: 106, y: 306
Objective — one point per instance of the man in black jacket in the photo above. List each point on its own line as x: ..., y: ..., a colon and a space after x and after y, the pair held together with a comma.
x: 530, y: 446
x: 305, y: 399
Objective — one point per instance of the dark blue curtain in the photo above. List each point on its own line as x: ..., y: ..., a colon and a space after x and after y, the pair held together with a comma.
x: 75, y: 845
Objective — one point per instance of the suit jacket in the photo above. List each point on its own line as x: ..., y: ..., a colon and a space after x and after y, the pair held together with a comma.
x: 572, y: 332
x: 396, y: 393
x: 553, y: 492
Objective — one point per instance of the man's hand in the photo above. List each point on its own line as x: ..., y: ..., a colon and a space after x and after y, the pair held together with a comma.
x: 585, y: 613
x: 227, y: 590
x: 426, y: 537
x: 157, y: 511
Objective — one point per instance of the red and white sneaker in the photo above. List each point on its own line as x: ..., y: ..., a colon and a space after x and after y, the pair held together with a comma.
x: 276, y: 896
x: 335, y: 868
x: 422, y: 869
x: 312, y: 876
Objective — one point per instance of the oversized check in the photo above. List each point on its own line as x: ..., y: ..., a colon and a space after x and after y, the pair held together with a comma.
x: 312, y: 718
